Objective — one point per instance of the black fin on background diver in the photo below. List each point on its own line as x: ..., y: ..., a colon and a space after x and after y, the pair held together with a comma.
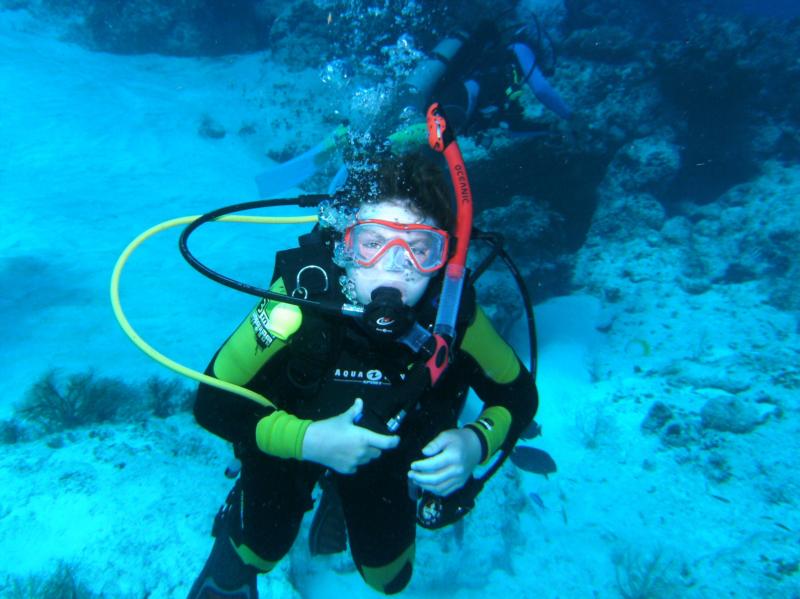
x: 328, y: 534
x: 533, y: 460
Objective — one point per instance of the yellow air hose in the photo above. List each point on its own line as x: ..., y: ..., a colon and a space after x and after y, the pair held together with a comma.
x: 146, y: 347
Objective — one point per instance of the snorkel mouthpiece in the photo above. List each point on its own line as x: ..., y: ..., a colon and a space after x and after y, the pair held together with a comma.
x: 386, y: 317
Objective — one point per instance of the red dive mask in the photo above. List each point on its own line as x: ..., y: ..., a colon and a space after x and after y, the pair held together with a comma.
x: 425, y: 247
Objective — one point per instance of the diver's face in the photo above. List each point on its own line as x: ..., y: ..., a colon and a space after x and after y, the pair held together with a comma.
x: 394, y: 268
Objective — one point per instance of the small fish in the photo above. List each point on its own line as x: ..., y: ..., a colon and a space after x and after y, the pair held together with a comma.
x: 330, y: 18
x: 533, y: 460
x: 537, y: 500
x: 533, y: 430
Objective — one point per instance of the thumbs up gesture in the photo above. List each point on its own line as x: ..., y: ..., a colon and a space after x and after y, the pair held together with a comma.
x: 340, y: 444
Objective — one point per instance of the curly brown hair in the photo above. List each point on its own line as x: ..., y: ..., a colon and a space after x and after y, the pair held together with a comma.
x: 415, y: 177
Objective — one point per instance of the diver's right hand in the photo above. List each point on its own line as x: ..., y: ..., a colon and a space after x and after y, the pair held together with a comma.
x: 340, y: 444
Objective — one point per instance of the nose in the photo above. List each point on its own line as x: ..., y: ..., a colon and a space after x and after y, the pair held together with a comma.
x: 396, y: 260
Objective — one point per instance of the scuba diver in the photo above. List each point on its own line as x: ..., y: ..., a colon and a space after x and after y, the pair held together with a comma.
x: 477, y: 78
x: 367, y: 407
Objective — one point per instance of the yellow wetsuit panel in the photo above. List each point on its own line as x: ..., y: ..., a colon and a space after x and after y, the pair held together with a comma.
x: 499, y: 362
x: 251, y: 558
x: 260, y: 336
x: 381, y: 577
x: 493, y: 424
x: 281, y: 434
x: 495, y: 357
x: 257, y: 339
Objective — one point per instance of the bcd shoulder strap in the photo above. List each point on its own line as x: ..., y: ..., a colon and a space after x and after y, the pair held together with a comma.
x: 309, y: 273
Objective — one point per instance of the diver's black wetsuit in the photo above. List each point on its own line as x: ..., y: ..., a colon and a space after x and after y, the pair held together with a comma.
x: 316, y: 373
x: 496, y: 104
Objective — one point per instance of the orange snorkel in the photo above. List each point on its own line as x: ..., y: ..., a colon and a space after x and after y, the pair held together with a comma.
x: 442, y: 139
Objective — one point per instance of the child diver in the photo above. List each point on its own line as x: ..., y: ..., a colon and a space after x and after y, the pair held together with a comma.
x: 346, y: 403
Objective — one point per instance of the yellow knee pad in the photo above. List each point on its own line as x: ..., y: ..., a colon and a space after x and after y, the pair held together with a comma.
x: 394, y: 576
x: 249, y: 557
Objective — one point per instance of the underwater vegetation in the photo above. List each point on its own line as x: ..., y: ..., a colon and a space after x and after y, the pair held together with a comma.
x: 59, y: 401
x: 595, y: 424
x: 62, y: 583
x: 53, y: 403
x: 165, y: 397
x: 643, y: 576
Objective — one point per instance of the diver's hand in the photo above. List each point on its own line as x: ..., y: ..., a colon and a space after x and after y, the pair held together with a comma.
x: 343, y: 446
x: 453, y: 455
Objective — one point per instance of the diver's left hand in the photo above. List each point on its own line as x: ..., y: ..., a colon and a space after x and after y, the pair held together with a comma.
x: 452, y: 456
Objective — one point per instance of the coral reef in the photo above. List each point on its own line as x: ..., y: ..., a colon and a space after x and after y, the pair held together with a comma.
x: 727, y: 79
x: 531, y: 232
x: 303, y: 33
x: 750, y: 234
x: 189, y: 28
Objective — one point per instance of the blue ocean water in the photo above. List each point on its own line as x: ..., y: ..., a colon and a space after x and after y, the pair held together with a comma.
x: 655, y: 224
x: 774, y: 8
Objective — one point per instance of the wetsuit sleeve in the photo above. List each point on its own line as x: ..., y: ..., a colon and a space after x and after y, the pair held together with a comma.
x: 502, y: 382
x: 261, y: 337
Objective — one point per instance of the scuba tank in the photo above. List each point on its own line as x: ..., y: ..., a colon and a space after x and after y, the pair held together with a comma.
x: 414, y: 92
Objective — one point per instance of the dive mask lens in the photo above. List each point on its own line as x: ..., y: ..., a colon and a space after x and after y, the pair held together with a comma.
x: 425, y: 246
